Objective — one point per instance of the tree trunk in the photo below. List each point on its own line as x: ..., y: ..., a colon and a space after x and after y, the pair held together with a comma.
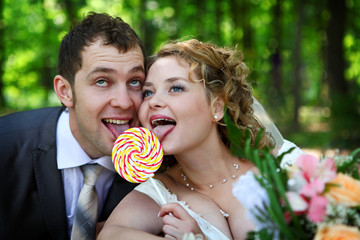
x: 345, y: 127
x: 148, y: 32
x: 71, y: 8
x: 201, y: 7
x: 234, y: 13
x: 70, y: 11
x: 142, y: 24
x: 175, y: 21
x: 47, y: 70
x: 276, y: 55
x: 239, y: 11
x: 246, y: 26
x: 218, y: 16
x: 335, y: 49
x: 2, y: 54
x: 297, y: 64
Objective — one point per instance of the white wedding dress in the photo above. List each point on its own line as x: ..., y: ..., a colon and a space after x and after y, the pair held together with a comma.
x: 210, y: 231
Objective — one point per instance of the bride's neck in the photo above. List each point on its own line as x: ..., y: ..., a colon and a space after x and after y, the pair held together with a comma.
x: 207, y: 169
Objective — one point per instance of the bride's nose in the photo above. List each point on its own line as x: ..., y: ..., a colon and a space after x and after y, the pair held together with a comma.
x: 157, y: 101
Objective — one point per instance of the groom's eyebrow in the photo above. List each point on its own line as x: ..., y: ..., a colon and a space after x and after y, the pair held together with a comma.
x: 137, y: 69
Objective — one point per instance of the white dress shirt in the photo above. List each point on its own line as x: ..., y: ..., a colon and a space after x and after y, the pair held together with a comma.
x: 70, y: 156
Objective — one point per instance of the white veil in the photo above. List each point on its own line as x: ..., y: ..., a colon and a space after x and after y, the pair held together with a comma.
x: 281, y: 145
x: 265, y: 120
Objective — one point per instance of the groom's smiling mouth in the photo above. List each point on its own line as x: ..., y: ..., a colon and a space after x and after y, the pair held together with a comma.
x: 116, y: 126
x: 116, y: 121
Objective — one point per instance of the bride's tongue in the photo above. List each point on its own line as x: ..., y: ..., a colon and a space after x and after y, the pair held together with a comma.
x: 162, y: 130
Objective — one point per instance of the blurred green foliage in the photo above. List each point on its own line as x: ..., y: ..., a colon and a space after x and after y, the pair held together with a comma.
x: 288, y: 45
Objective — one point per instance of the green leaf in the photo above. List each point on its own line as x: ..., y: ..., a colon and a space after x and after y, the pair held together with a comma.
x: 351, y: 167
x: 235, y: 136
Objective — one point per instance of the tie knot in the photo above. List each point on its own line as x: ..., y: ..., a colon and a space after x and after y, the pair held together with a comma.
x: 91, y: 173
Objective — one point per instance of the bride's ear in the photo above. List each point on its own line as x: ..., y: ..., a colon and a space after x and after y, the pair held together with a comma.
x: 217, y: 109
x: 64, y: 91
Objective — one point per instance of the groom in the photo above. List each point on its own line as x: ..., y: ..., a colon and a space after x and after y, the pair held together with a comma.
x: 100, y: 74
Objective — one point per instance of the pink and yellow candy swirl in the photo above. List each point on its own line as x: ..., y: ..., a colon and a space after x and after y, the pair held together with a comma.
x: 137, y: 154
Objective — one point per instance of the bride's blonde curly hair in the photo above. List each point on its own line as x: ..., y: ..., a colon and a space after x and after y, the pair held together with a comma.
x: 224, y: 74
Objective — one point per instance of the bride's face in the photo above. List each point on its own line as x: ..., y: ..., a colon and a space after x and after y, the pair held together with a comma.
x: 175, y: 108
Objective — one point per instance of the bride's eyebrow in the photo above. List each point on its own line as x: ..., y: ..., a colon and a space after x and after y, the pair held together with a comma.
x: 168, y: 80
x: 147, y: 84
x: 174, y: 79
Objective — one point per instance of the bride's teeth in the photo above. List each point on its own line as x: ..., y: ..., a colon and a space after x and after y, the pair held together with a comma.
x: 162, y: 121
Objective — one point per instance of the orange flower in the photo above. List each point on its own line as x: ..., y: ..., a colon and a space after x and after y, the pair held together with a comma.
x: 338, y: 232
x: 346, y: 190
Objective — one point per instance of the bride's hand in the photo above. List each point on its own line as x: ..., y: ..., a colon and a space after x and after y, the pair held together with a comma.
x: 177, y: 221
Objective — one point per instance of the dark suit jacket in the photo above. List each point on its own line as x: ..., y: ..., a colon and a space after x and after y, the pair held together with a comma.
x: 32, y: 200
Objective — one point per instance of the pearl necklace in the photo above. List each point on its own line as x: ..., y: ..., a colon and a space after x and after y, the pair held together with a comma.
x: 211, y: 186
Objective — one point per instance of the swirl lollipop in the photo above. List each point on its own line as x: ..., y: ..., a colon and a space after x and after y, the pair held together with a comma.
x: 137, y: 154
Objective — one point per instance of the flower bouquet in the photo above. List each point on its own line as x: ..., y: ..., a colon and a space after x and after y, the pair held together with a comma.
x: 308, y: 199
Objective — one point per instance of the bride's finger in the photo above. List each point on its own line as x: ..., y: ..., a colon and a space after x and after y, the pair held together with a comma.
x: 167, y: 236
x: 173, y: 232
x: 176, y: 209
x: 174, y: 222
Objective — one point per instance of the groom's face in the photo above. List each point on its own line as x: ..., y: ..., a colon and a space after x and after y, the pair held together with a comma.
x: 107, y: 96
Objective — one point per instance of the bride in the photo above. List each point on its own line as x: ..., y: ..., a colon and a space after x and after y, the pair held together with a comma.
x: 187, y: 86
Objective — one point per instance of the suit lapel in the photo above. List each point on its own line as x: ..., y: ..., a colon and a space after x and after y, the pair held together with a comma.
x: 50, y: 184
x: 118, y: 191
x: 49, y: 181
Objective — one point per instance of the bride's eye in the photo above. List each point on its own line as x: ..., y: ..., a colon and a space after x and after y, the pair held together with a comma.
x: 147, y: 93
x: 177, y: 88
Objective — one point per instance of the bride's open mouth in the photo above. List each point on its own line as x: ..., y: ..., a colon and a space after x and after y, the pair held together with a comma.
x: 162, y: 126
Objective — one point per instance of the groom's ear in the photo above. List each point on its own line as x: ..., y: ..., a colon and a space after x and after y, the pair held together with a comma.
x: 64, y: 91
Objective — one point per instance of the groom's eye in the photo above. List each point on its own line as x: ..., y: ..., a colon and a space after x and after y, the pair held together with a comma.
x: 135, y: 83
x: 101, y: 83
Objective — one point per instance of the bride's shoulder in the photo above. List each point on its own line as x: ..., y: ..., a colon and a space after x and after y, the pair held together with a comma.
x: 247, y: 166
x: 168, y: 178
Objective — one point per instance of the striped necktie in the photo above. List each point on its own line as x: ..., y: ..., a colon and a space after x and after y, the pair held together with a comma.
x: 87, y: 206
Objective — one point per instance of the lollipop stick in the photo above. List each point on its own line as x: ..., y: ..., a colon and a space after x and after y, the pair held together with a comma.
x: 158, y: 191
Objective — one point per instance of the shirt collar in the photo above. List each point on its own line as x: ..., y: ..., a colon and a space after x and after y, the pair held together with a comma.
x: 69, y: 152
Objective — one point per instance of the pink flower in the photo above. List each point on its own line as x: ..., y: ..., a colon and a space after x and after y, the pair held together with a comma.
x: 317, y: 208
x: 311, y: 168
x: 326, y: 170
x: 313, y: 188
x: 307, y: 164
x: 314, y: 175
